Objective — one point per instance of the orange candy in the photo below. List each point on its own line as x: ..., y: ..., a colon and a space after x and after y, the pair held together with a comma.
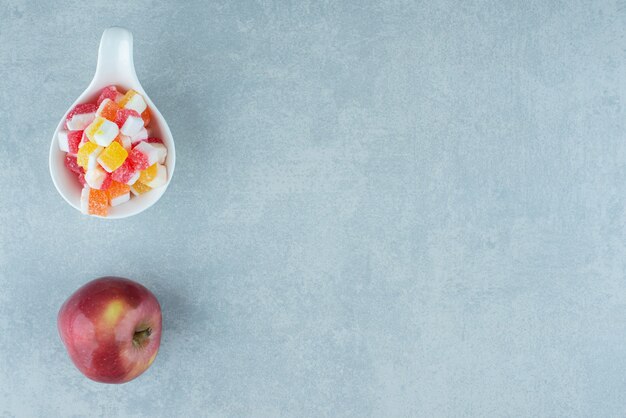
x: 108, y: 109
x: 98, y: 202
x: 117, y: 189
x: 118, y: 193
x: 145, y: 115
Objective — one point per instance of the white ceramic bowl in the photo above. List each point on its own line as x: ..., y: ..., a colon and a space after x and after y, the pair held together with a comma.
x: 115, y: 66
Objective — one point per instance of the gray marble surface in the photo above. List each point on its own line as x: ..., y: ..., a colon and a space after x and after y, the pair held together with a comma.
x: 385, y: 209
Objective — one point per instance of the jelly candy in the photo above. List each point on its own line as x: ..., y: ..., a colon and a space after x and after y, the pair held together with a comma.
x: 83, y: 139
x: 109, y: 92
x: 158, y: 179
x: 133, y: 100
x: 69, y: 141
x: 133, y: 179
x: 142, y: 135
x: 88, y: 154
x: 108, y: 109
x: 158, y: 145
x: 112, y: 157
x: 129, y: 121
x: 107, y: 146
x: 148, y: 174
x: 118, y: 193
x: 139, y: 188
x: 146, y: 116
x: 125, y: 141
x: 73, y: 140
x: 97, y: 178
x: 125, y: 173
x: 144, y: 155
x: 80, y: 116
x: 161, y: 152
x: 94, y: 201
x: 72, y: 165
x: 63, y: 141
x: 102, y: 131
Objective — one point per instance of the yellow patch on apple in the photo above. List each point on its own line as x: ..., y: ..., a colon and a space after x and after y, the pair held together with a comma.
x: 113, y: 312
x: 152, y: 358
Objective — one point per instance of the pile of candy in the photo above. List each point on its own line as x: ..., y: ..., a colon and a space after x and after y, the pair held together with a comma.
x: 110, y: 151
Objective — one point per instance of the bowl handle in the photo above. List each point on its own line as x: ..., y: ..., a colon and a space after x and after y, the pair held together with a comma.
x: 115, y: 58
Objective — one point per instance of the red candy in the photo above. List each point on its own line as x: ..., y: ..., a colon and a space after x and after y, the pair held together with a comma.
x: 123, y: 114
x: 72, y: 164
x: 109, y: 92
x: 124, y: 173
x: 79, y: 109
x: 106, y: 183
x: 82, y: 108
x: 73, y: 140
x: 138, y: 159
x: 149, y: 141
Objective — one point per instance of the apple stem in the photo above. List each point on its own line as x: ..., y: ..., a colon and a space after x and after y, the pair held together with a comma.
x: 140, y: 338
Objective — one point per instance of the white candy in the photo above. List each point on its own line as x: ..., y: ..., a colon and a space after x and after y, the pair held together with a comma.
x: 150, y: 151
x: 160, y: 179
x: 63, y: 141
x: 95, y: 177
x: 136, y: 103
x: 106, y: 133
x: 84, y: 200
x: 120, y: 199
x: 142, y: 135
x: 80, y: 121
x: 162, y: 152
x: 126, y: 142
x: 133, y: 179
x: 132, y: 126
x: 92, y: 161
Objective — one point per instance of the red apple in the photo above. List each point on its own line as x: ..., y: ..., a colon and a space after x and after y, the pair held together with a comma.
x: 111, y: 328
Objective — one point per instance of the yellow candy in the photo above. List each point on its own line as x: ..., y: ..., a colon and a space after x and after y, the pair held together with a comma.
x: 87, y: 150
x: 102, y: 131
x: 113, y: 156
x: 139, y: 188
x: 93, y: 128
x: 146, y: 176
x: 133, y: 100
